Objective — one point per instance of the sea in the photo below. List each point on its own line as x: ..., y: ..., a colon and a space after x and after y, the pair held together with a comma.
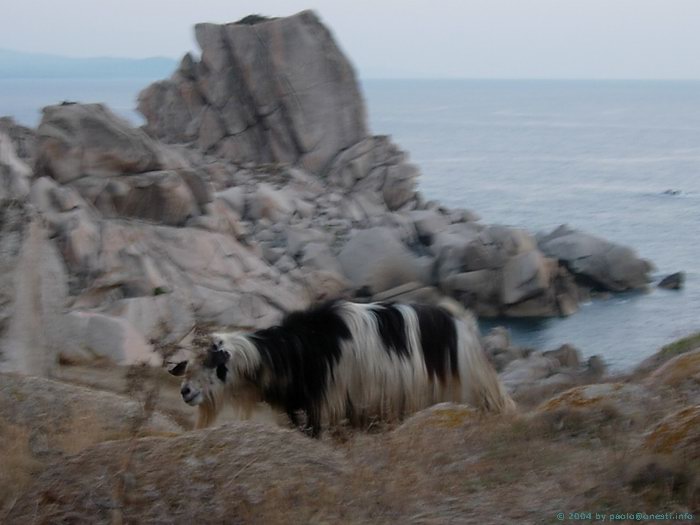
x: 618, y: 159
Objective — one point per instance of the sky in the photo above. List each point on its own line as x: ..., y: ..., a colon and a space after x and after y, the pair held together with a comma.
x: 658, y: 39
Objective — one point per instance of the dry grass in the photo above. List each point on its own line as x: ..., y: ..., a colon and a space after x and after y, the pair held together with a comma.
x: 17, y: 464
x: 444, y: 465
x: 614, y: 447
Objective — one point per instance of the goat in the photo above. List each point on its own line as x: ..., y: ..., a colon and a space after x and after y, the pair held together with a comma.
x: 343, y: 360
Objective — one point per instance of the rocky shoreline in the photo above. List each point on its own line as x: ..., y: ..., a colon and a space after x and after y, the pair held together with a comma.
x: 255, y: 188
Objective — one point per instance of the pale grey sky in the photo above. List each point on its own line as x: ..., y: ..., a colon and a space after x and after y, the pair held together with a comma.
x: 438, y: 38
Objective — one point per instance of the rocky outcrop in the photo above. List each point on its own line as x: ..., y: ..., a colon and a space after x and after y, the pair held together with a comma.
x: 618, y: 399
x: 269, y: 195
x: 601, y: 263
x: 499, y: 271
x: 277, y: 91
x: 532, y: 375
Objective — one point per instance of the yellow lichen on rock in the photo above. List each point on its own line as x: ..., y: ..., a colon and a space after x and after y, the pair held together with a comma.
x: 443, y: 415
x: 677, y: 433
x: 685, y: 367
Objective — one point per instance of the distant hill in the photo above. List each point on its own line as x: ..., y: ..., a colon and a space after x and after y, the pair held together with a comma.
x: 18, y: 64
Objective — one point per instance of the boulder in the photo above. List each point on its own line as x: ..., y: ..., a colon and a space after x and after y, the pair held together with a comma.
x: 524, y: 276
x: 159, y: 197
x: 219, y: 217
x: 14, y: 173
x: 235, y: 198
x: 479, y: 290
x: 567, y: 355
x: 677, y: 434
x: 494, y: 245
x: 375, y: 260
x: 399, y: 185
x: 22, y: 137
x: 298, y: 237
x: 673, y: 282
x: 164, y: 318
x: 77, y: 140
x: 269, y: 203
x: 319, y: 256
x: 33, y: 293
x: 78, y: 239
x: 63, y: 418
x: 682, y: 371
x: 280, y: 91
x: 99, y: 336
x: 412, y: 293
x: 428, y: 224
x: 627, y: 400
x: 442, y: 417
x: 608, y: 266
x: 527, y: 370
x: 499, y: 348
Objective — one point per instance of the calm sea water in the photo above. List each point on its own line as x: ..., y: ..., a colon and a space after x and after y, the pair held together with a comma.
x: 534, y: 154
x: 595, y: 155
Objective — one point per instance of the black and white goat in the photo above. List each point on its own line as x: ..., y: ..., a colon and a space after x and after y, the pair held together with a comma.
x: 345, y: 360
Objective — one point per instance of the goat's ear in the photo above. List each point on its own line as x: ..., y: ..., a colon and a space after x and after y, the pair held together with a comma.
x: 179, y: 369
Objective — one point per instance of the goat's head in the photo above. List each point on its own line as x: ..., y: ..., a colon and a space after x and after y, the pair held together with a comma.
x: 205, y: 376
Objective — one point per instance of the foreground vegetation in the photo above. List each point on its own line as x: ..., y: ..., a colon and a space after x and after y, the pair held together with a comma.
x: 628, y: 445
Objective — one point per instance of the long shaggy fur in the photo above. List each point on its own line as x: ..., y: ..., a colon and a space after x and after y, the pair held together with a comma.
x: 347, y: 361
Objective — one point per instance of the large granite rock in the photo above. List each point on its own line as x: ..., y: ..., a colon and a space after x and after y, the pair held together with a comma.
x: 33, y: 292
x: 277, y: 91
x: 14, y: 172
x: 78, y: 140
x: 376, y: 173
x: 375, y: 260
x: 606, y: 265
x: 165, y: 197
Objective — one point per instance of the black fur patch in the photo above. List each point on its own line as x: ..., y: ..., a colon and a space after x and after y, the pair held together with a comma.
x: 392, y: 329
x: 438, y: 340
x: 179, y: 369
x: 301, y: 354
x: 215, y: 357
x: 221, y: 372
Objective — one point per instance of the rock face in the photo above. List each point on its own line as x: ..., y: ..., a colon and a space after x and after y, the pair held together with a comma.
x: 276, y: 91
